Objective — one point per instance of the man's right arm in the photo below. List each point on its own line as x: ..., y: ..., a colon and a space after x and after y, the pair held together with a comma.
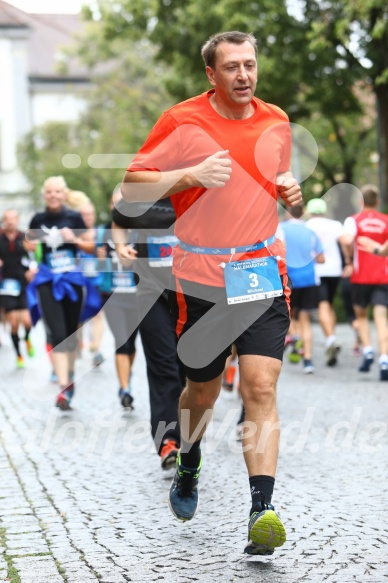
x: 151, y: 185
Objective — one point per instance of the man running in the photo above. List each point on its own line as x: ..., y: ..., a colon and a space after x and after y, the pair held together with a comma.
x: 223, y: 157
x: 15, y: 270
x: 370, y: 277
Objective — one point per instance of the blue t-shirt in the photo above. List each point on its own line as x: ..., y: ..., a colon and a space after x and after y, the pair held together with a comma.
x: 302, y: 246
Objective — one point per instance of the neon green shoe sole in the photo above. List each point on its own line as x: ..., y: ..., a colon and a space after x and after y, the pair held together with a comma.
x: 266, y: 532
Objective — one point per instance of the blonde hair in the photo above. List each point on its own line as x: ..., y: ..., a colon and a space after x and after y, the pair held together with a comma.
x: 76, y: 199
x: 59, y: 179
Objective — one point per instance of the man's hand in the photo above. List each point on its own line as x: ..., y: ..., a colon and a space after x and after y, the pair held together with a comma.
x: 289, y: 189
x: 214, y: 171
x: 370, y: 245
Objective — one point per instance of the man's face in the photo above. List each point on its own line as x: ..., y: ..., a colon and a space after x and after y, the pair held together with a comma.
x: 235, y: 73
x: 10, y: 221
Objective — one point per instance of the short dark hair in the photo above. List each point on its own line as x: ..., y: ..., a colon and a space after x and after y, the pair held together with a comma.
x: 370, y: 193
x: 209, y: 49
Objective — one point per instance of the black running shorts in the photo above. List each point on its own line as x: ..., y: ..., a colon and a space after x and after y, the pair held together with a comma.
x: 257, y: 327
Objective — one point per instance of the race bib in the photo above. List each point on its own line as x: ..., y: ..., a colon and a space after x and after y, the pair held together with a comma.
x: 10, y: 287
x: 89, y: 266
x: 160, y: 250
x: 60, y: 261
x: 123, y: 282
x: 252, y: 279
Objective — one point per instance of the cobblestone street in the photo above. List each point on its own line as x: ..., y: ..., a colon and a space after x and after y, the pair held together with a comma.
x: 83, y: 497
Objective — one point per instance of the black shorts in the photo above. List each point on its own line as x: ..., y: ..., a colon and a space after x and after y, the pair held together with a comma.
x: 328, y: 289
x: 257, y: 327
x: 304, y: 298
x: 11, y: 303
x: 365, y: 295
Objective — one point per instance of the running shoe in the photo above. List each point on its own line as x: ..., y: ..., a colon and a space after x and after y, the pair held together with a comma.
x: 228, y: 378
x: 384, y: 371
x: 30, y: 348
x: 169, y: 453
x: 183, y: 499
x: 64, y: 398
x: 308, y: 367
x: 265, y: 531
x: 367, y: 362
x: 98, y: 359
x: 296, y: 352
x: 126, y: 399
x: 331, y: 354
x: 20, y: 362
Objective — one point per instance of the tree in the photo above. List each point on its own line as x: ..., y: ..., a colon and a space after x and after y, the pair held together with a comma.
x: 124, y: 102
x: 297, y: 70
x: 356, y: 31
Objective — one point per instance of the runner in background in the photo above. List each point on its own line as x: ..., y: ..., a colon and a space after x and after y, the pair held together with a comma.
x: 90, y: 270
x: 15, y: 263
x: 331, y: 235
x: 59, y: 293
x: 370, y: 277
x: 303, y: 250
x: 118, y: 293
x: 154, y: 228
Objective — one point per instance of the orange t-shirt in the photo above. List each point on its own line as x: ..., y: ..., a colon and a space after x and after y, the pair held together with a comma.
x: 244, y: 211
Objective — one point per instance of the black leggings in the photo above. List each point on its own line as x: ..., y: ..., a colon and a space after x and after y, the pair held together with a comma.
x: 61, y: 319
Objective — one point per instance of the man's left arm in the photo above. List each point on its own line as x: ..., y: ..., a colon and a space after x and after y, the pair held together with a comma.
x: 288, y: 188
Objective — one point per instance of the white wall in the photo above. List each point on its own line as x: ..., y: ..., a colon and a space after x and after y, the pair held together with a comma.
x: 14, y: 110
x: 56, y: 105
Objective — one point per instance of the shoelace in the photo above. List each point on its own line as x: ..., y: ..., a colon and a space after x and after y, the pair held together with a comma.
x: 185, y: 484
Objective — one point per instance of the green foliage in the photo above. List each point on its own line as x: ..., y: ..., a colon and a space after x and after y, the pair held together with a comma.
x: 321, y: 69
x: 123, y: 104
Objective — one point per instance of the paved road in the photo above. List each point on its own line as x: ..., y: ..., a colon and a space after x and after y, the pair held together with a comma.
x: 82, y: 496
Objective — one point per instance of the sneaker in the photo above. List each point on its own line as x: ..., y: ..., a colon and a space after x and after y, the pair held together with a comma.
x: 296, y: 352
x: 331, y: 354
x: 308, y: 367
x: 384, y: 371
x: 126, y: 399
x: 64, y: 398
x: 98, y: 359
x: 20, y: 362
x: 367, y: 362
x: 30, y: 349
x: 294, y: 356
x: 228, y: 378
x: 183, y: 499
x: 169, y: 453
x: 265, y: 531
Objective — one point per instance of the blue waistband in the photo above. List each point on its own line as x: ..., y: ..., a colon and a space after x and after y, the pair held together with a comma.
x: 226, y: 250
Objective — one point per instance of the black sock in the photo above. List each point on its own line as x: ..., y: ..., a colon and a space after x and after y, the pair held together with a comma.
x: 190, y: 454
x: 261, y: 488
x: 27, y: 330
x: 15, y: 341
